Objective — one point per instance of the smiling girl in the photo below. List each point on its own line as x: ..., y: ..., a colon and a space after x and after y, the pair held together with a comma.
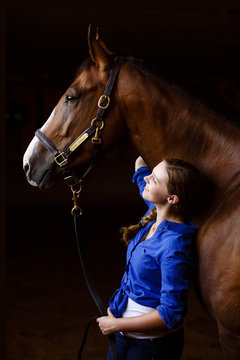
x: 147, y: 311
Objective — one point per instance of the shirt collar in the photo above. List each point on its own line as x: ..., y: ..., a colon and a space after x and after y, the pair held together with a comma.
x: 188, y: 228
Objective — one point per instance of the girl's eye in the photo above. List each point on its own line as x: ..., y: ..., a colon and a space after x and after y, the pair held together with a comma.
x: 153, y: 179
x: 70, y: 99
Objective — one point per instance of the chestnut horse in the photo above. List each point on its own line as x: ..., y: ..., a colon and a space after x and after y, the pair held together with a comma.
x: 161, y: 123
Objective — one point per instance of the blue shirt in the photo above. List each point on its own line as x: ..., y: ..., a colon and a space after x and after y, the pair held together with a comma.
x: 158, y: 272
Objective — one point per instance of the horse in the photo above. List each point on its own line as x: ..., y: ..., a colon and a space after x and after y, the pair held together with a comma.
x: 161, y: 122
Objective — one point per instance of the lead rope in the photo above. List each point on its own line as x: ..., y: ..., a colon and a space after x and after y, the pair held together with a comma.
x: 78, y: 224
x: 79, y: 231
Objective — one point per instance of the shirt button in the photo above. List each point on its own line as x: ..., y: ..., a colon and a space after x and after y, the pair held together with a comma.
x: 165, y: 221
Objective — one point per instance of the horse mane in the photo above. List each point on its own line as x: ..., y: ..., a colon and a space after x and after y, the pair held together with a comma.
x: 201, y: 95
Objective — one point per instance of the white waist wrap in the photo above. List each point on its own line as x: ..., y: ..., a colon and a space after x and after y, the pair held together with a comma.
x: 134, y: 309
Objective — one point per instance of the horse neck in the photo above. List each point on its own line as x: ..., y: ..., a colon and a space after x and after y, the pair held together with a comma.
x: 164, y: 123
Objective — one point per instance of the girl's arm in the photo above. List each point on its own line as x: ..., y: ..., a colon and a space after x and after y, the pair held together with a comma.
x: 149, y: 322
x: 141, y: 170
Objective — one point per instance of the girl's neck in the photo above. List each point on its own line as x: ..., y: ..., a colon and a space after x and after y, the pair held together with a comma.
x: 163, y: 214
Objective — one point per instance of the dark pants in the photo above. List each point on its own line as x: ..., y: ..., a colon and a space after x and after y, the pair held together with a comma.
x: 168, y: 347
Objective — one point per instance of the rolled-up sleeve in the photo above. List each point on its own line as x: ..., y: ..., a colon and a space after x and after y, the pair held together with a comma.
x: 176, y: 280
x: 139, y: 175
x: 138, y: 178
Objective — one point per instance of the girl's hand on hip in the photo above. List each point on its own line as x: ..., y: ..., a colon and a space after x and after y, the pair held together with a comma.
x: 107, y: 324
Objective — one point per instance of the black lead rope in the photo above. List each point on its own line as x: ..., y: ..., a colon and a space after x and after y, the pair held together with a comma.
x: 78, y: 223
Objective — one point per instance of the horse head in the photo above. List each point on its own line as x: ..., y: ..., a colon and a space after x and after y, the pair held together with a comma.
x: 72, y: 115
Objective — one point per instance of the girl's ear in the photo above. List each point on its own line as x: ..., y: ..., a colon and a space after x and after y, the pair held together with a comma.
x: 173, y: 199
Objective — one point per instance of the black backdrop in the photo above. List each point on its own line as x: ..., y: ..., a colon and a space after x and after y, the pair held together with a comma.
x: 197, y: 48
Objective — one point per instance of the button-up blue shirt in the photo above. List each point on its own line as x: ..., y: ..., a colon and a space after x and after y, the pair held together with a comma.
x: 158, y: 270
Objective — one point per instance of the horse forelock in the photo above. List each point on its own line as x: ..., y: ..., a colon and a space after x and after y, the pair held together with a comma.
x: 87, y: 76
x: 86, y: 65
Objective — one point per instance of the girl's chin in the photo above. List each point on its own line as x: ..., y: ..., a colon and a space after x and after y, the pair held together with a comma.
x: 145, y: 195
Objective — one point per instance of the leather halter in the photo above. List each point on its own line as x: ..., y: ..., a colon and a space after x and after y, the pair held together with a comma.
x: 62, y: 158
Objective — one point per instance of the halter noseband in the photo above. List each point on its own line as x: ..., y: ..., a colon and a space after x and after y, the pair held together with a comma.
x: 61, y: 158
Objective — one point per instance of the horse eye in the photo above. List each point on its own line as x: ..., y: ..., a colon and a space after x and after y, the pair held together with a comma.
x: 70, y: 99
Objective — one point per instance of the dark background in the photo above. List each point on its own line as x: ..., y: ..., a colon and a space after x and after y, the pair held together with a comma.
x: 47, y: 301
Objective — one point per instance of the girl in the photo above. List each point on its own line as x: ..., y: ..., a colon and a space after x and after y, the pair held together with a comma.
x: 147, y: 312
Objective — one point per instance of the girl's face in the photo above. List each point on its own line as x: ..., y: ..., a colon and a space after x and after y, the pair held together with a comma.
x: 156, y: 190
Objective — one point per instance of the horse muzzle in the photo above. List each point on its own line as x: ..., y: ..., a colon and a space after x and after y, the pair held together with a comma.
x: 40, y: 168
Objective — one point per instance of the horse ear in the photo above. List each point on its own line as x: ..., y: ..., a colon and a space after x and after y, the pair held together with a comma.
x: 98, y: 51
x: 103, y: 45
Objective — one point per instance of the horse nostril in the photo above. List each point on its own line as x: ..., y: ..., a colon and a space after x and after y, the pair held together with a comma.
x: 26, y: 168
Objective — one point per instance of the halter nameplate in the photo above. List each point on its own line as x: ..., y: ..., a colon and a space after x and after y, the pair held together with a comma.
x: 78, y: 142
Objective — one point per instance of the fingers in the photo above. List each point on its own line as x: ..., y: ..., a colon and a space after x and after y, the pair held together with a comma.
x: 109, y: 312
x: 99, y: 321
x: 106, y: 323
x: 139, y: 163
x: 104, y: 332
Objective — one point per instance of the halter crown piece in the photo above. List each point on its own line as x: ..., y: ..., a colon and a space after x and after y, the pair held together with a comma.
x: 61, y: 158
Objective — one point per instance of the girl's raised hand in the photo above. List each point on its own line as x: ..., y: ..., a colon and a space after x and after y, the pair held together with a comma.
x: 139, y: 163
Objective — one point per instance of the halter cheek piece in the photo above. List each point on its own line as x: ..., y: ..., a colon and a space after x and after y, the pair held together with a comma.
x: 97, y: 124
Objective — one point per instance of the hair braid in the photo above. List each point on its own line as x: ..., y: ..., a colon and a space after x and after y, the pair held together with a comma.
x: 129, y: 232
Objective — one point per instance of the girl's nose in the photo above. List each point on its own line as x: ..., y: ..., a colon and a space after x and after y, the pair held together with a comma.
x: 146, y: 178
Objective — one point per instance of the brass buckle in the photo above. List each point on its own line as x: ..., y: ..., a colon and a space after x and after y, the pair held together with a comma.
x: 101, y: 98
x: 70, y: 181
x: 94, y: 121
x: 61, y: 161
x: 76, y: 208
x: 96, y: 139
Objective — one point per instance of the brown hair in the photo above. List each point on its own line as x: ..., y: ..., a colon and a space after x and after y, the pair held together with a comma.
x: 183, y: 181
